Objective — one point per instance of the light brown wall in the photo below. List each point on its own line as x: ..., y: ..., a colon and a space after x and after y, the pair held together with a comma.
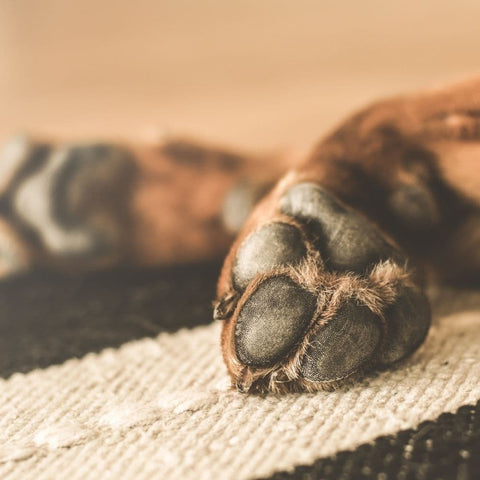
x: 259, y: 73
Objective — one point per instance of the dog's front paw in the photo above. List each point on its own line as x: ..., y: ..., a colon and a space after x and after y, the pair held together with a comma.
x: 67, y: 204
x: 316, y: 296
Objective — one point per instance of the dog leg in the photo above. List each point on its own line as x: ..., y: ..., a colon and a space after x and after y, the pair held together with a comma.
x: 325, y: 282
x: 88, y: 206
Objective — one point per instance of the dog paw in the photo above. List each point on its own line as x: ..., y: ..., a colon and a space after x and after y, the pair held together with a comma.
x: 68, y: 203
x: 317, y: 296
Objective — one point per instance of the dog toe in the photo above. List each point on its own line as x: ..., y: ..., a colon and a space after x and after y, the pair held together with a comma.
x: 343, y: 346
x: 272, y: 321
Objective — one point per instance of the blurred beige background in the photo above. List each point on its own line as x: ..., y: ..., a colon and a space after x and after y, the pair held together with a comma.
x: 260, y: 73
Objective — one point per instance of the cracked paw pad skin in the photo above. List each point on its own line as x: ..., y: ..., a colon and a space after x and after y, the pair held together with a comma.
x: 325, y: 281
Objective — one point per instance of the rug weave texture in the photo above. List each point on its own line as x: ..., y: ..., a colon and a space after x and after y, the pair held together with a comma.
x: 162, y: 407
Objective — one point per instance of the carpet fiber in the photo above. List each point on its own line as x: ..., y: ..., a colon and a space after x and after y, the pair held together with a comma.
x: 152, y: 399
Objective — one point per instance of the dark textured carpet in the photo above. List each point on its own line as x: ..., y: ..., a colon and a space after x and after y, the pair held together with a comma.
x: 448, y: 448
x: 49, y: 318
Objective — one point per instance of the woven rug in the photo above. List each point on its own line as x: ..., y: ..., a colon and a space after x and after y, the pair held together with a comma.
x: 119, y: 375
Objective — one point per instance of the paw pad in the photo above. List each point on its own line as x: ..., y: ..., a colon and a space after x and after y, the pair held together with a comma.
x: 320, y: 299
x: 271, y: 246
x: 278, y: 310
x: 346, y: 240
x: 342, y: 346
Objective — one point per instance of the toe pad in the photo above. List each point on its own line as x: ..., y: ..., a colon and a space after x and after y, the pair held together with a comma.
x: 346, y: 240
x: 274, y: 245
x: 342, y: 346
x: 272, y: 321
x: 408, y: 320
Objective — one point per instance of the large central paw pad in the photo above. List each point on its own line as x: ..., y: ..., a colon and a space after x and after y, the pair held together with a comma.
x: 321, y: 296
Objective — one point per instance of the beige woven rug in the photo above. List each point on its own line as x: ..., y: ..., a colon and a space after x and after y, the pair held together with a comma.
x: 162, y: 408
